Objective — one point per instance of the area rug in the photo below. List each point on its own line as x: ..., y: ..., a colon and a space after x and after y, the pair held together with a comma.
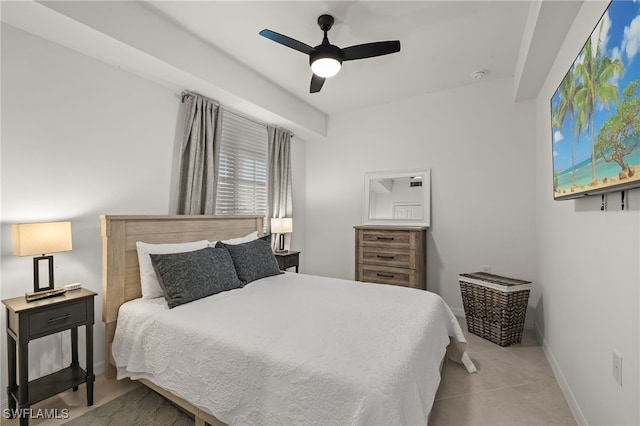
x: 141, y: 406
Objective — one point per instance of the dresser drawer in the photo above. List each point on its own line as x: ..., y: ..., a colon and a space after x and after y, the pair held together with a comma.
x: 387, y: 238
x: 387, y: 275
x: 60, y: 318
x: 398, y: 258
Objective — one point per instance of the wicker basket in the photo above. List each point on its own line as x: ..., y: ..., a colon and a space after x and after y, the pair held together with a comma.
x: 495, y: 307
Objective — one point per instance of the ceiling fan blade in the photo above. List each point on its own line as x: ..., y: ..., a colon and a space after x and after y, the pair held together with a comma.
x: 316, y: 83
x: 286, y: 41
x: 369, y: 50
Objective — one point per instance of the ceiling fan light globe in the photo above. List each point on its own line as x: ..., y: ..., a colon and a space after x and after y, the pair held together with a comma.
x: 325, y: 67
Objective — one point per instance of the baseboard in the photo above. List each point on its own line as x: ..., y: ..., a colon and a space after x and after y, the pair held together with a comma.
x: 562, y: 381
x: 98, y: 368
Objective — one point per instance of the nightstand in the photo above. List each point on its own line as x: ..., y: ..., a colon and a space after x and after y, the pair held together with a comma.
x: 27, y: 321
x: 288, y: 259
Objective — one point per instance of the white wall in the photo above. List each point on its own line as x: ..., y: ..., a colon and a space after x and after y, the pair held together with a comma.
x: 79, y: 139
x: 479, y: 146
x: 588, y: 274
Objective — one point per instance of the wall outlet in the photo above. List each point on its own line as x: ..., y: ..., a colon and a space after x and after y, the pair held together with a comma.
x: 486, y: 268
x: 617, y: 367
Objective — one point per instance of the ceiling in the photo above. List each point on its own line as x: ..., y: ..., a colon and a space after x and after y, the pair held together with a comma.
x: 213, y: 47
x: 442, y: 43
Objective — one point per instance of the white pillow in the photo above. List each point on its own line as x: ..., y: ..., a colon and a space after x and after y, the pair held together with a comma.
x: 249, y: 237
x: 148, y: 279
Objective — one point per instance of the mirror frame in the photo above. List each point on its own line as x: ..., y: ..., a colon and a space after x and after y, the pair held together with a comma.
x: 426, y: 196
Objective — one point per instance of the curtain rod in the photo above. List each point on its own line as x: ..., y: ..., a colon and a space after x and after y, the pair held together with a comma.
x: 186, y: 93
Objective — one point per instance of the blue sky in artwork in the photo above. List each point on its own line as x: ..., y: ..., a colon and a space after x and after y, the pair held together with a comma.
x: 620, y: 38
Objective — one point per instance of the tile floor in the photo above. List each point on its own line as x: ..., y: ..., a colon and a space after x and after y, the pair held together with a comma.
x: 514, y: 386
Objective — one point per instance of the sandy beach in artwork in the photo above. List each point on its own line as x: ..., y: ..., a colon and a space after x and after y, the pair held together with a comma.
x: 605, y: 182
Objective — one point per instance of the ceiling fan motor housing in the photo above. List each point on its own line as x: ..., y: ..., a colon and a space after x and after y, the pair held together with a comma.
x: 325, y: 51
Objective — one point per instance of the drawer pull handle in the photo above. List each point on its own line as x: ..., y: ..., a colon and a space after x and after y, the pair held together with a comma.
x: 384, y: 275
x: 386, y: 238
x: 64, y: 317
x: 385, y: 257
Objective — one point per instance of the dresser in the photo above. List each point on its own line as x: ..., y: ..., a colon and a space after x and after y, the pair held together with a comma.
x: 394, y: 255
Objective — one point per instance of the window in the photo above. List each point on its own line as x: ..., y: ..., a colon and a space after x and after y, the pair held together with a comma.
x: 242, y: 169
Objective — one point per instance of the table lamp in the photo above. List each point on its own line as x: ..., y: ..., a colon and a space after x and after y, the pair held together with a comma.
x: 281, y: 226
x: 38, y: 239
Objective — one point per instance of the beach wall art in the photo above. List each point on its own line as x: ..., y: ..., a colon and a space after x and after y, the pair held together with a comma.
x: 595, y: 121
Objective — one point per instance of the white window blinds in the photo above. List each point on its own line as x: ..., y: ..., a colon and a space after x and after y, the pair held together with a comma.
x: 242, y: 169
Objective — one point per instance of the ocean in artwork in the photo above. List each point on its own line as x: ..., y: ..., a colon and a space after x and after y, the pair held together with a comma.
x: 604, y: 169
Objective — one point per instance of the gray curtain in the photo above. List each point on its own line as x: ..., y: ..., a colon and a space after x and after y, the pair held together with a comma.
x: 280, y: 188
x: 197, y: 183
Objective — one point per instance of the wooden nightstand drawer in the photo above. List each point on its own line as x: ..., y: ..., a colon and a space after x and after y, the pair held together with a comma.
x: 58, y: 318
x: 388, y: 257
x: 288, y: 259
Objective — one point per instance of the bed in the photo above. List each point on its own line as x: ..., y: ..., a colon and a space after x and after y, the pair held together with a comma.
x: 285, y: 349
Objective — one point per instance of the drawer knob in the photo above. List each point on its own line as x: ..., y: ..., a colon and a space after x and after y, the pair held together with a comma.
x: 386, y: 238
x: 64, y: 317
x: 385, y: 257
x: 384, y: 275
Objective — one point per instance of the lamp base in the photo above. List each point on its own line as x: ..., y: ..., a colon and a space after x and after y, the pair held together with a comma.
x: 281, y: 244
x: 281, y: 251
x: 36, y: 273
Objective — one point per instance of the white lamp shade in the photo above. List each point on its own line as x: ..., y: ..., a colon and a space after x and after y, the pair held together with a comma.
x: 282, y: 225
x: 325, y: 67
x: 40, y: 238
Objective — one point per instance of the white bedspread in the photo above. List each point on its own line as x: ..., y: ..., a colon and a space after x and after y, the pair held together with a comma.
x: 294, y: 349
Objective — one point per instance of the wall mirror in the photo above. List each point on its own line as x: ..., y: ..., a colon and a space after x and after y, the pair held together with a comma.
x: 401, y: 198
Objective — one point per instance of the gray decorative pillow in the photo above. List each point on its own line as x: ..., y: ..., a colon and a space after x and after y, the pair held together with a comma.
x: 253, y: 260
x: 188, y: 276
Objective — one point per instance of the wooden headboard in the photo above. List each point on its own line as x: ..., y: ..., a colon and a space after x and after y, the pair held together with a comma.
x: 120, y: 270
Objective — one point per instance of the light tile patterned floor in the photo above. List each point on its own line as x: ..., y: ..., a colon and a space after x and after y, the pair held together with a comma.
x: 514, y: 386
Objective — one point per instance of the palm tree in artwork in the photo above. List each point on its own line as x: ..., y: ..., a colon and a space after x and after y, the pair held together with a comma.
x: 580, y: 120
x: 594, y: 72
x: 567, y: 108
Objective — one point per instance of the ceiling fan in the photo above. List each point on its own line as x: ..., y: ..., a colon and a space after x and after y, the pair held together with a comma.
x: 326, y: 59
